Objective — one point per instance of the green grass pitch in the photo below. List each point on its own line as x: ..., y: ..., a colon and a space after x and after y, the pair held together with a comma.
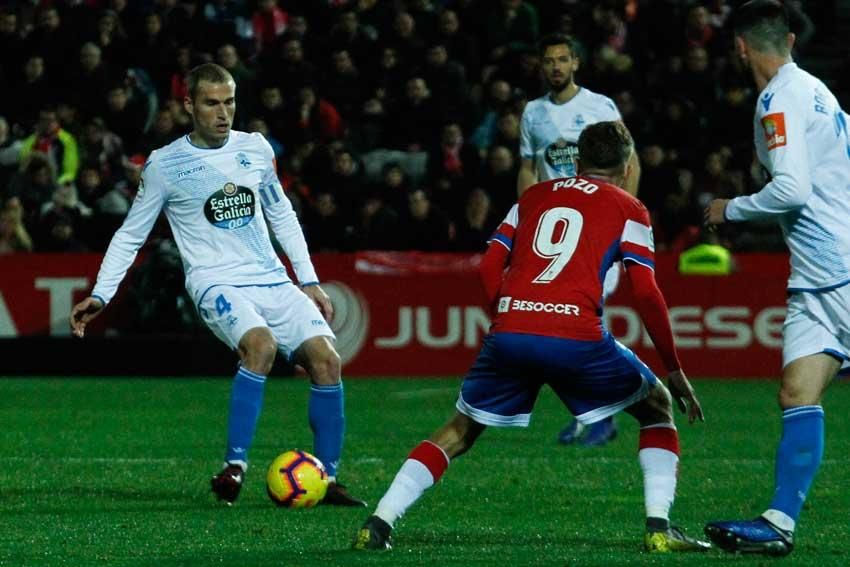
x: 116, y: 472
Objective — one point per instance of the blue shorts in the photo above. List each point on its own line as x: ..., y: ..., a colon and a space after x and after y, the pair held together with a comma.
x: 594, y: 379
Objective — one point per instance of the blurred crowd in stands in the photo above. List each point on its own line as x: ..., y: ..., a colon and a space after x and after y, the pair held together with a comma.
x: 395, y: 122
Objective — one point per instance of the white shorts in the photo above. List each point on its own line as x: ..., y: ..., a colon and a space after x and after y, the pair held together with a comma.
x: 818, y: 323
x: 293, y: 318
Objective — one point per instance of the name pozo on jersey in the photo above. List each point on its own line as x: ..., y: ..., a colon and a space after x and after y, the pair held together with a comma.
x: 230, y: 207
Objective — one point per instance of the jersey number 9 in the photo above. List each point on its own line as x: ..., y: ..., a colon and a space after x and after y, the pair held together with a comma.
x: 556, y: 238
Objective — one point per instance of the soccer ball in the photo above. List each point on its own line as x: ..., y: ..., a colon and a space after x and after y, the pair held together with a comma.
x: 296, y: 479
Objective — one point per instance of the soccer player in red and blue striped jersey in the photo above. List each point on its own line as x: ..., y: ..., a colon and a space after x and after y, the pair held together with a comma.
x: 544, y: 273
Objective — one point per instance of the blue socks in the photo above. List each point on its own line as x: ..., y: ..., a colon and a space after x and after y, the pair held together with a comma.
x: 798, y: 458
x: 246, y: 399
x: 326, y: 410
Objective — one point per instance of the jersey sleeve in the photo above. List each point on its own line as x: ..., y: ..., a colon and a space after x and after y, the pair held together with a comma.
x: 784, y: 129
x: 504, y: 234
x: 284, y: 222
x: 526, y: 149
x: 127, y: 241
x: 637, y: 244
x: 494, y: 260
x: 610, y: 112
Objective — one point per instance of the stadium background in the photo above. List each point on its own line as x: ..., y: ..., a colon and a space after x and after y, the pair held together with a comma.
x: 99, y: 471
x: 396, y: 127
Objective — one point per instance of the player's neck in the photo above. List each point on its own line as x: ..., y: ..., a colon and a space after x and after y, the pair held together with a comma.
x: 767, y: 67
x: 566, y: 94
x: 603, y: 176
x: 200, y: 141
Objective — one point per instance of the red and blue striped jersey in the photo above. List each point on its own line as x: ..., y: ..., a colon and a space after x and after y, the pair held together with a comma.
x: 562, y: 236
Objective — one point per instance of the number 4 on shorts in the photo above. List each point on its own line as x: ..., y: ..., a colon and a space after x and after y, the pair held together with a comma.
x: 221, y: 305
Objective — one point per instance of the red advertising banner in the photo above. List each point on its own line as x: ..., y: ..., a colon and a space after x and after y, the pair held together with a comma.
x: 424, y: 314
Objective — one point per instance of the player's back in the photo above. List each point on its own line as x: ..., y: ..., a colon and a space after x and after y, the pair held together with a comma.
x: 568, y: 233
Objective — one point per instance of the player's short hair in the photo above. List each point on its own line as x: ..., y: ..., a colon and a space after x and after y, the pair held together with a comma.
x: 551, y: 39
x: 764, y: 25
x: 605, y: 145
x: 209, y: 72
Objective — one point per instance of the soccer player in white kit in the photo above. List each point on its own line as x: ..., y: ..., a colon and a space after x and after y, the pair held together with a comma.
x: 214, y: 185
x: 549, y: 133
x: 802, y: 139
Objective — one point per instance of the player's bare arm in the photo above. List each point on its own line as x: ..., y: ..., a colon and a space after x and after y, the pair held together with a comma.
x: 684, y: 395
x: 527, y: 175
x: 321, y: 299
x: 715, y: 213
x: 82, y: 313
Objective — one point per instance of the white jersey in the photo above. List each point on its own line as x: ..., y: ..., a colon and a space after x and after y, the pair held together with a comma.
x: 802, y: 139
x: 213, y: 199
x: 549, y: 132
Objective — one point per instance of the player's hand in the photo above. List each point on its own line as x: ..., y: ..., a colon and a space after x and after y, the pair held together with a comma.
x: 715, y: 212
x: 83, y: 312
x: 321, y: 299
x: 683, y: 394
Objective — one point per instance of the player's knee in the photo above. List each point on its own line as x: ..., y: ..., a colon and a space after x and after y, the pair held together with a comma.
x: 258, y: 349
x: 656, y: 408
x: 325, y: 367
x: 791, y: 396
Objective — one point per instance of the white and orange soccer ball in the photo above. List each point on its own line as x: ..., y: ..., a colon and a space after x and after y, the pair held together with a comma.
x: 296, y: 479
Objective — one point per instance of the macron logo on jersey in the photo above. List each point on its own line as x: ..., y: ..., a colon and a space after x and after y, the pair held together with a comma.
x: 766, y: 100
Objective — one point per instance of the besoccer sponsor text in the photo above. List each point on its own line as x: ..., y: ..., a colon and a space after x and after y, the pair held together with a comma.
x: 509, y: 304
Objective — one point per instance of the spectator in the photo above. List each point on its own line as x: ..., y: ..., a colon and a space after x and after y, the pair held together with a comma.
x: 178, y: 89
x: 13, y: 233
x: 259, y: 125
x: 313, y: 119
x: 51, y: 40
x: 343, y: 85
x: 164, y: 132
x: 11, y: 40
x: 453, y: 167
x: 405, y: 40
x: 59, y: 146
x: 244, y: 77
x: 89, y: 80
x: 291, y: 70
x: 511, y: 26
x: 32, y: 186
x: 460, y: 46
x: 10, y: 155
x: 498, y: 98
x: 477, y: 224
x: 499, y: 179
x: 112, y: 40
x: 387, y: 78
x: 347, y: 35
x: 393, y: 187
x: 324, y: 225
x: 424, y: 227
x: 414, y: 117
x: 449, y: 79
x: 378, y: 225
x: 269, y: 22
x: 125, y: 116
x: 32, y: 93
x: 62, y: 220
x: 103, y: 148
x: 153, y: 51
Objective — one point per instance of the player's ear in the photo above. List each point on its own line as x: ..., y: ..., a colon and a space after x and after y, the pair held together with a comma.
x: 576, y: 63
x: 188, y: 105
x: 790, y: 40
